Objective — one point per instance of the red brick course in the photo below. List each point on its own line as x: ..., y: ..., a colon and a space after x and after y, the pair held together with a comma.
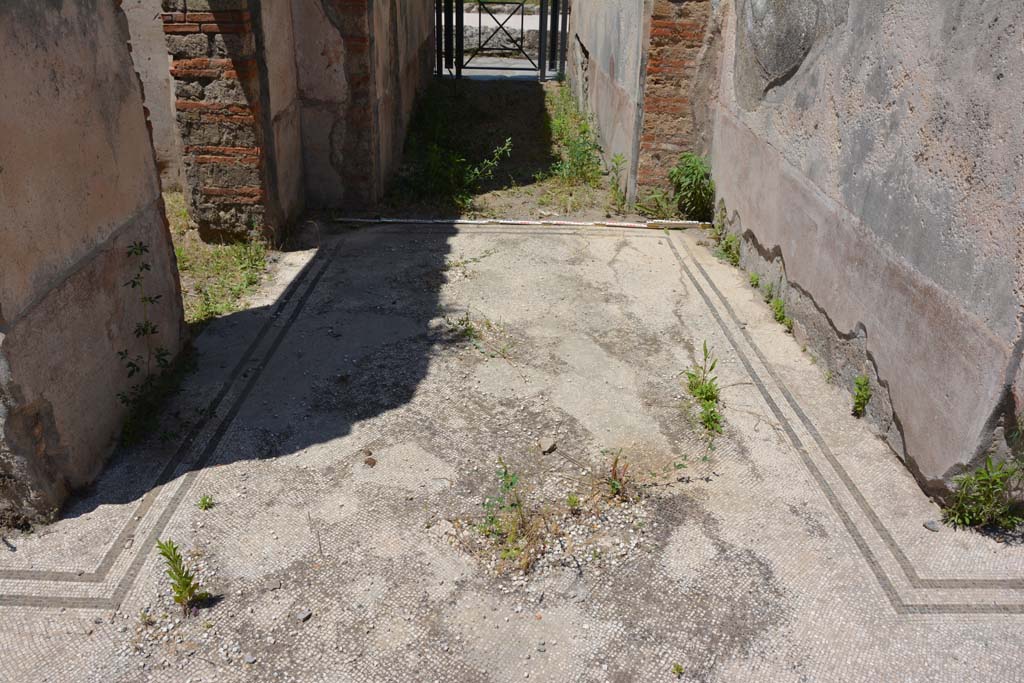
x: 226, y: 180
x: 677, y: 35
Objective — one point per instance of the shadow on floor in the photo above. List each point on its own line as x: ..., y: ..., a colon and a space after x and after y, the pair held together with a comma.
x: 352, y: 337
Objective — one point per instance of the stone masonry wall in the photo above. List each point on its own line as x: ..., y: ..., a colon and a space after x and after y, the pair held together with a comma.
x: 229, y: 117
x: 677, y: 43
x: 71, y: 209
x: 217, y: 90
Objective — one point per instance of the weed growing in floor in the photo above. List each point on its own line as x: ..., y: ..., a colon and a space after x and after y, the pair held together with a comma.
x: 861, y: 394
x: 465, y: 328
x: 694, y: 188
x: 205, y: 502
x: 779, y: 313
x: 184, y: 587
x: 446, y: 175
x: 984, y: 497
x: 768, y: 291
x: 703, y: 386
x: 678, y: 670
x: 463, y: 264
x: 711, y: 417
x: 146, y: 619
x: 573, y: 501
x: 755, y: 280
x: 575, y: 140
x: 658, y: 204
x: 617, y: 203
x: 617, y: 473
x: 507, y: 522
x: 215, y: 278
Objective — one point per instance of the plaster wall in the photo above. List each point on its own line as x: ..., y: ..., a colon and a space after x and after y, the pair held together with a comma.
x: 872, y: 154
x: 360, y: 66
x: 277, y: 47
x: 606, y: 67
x: 152, y: 63
x: 403, y: 33
x: 71, y: 208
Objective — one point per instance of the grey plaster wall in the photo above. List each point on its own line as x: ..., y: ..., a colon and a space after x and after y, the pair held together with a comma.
x: 360, y: 67
x: 402, y: 38
x: 276, y: 47
x: 71, y: 207
x: 607, y: 46
x: 873, y: 153
x: 149, y: 54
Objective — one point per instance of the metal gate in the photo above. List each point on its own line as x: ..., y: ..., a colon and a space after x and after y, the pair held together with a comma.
x: 501, y: 29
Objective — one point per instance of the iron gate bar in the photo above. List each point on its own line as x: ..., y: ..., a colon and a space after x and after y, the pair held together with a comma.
x: 460, y: 37
x: 553, y: 33
x: 439, y: 36
x: 519, y: 45
x: 543, y: 67
x: 449, y: 42
x: 563, y: 38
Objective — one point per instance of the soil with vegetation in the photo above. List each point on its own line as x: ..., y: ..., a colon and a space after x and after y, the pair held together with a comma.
x: 215, y: 278
x: 503, y: 149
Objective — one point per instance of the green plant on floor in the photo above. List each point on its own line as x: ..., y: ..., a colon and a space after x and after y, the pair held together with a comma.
x: 184, y: 587
x: 508, y: 523
x: 657, y: 204
x: 618, y: 194
x: 617, y: 474
x: 205, y: 502
x: 768, y: 291
x: 694, y: 188
x: 703, y: 386
x: 575, y: 141
x: 465, y: 328
x: 573, y: 501
x: 678, y: 670
x: 729, y: 249
x: 779, y: 313
x: 755, y: 280
x: 984, y: 497
x: 861, y: 394
x: 710, y: 416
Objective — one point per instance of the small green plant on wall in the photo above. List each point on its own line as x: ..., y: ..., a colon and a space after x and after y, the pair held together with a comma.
x: 861, y: 394
x: 149, y: 364
x: 618, y: 195
x: 779, y: 313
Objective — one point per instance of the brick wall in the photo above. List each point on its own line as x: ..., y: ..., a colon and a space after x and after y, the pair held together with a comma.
x: 677, y: 35
x: 217, y: 99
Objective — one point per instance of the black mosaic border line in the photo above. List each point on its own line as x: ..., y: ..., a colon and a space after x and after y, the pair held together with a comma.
x: 884, y: 581
x: 117, y: 548
x: 142, y: 550
x: 322, y: 261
